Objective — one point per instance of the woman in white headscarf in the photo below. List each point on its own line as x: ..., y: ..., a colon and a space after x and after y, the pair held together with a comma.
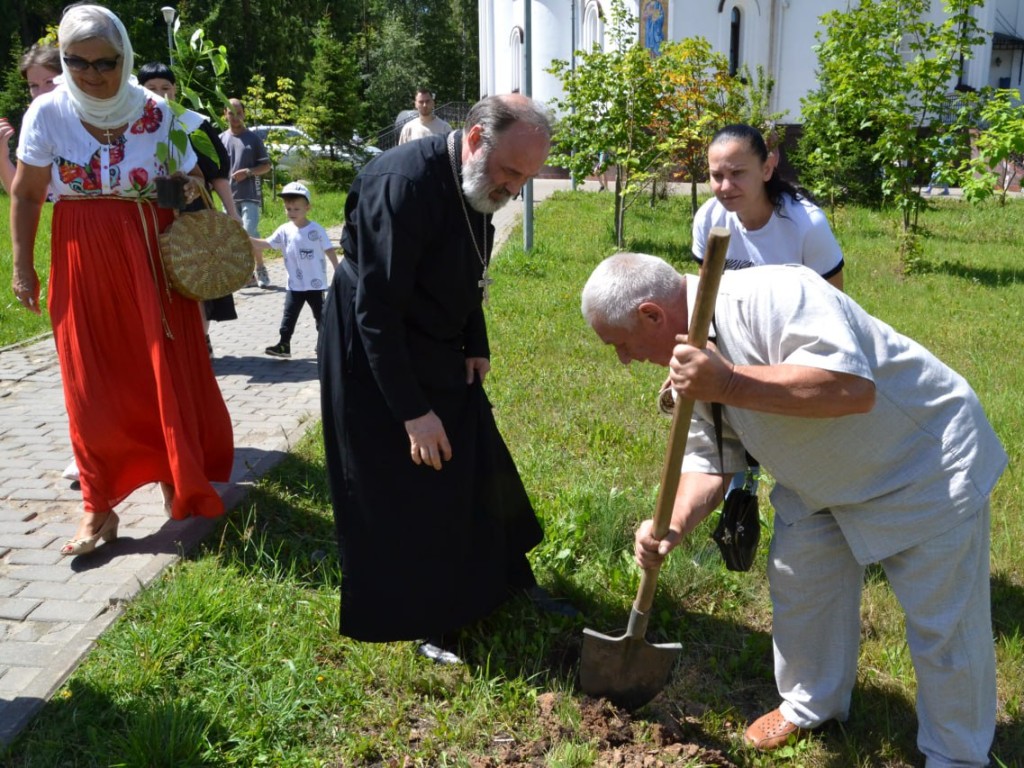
x: 143, y: 404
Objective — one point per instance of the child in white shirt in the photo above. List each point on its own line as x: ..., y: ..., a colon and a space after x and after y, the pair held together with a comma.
x: 304, y: 244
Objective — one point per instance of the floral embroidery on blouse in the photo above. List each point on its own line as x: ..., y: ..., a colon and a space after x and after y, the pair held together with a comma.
x: 83, y: 179
x: 151, y: 119
x: 86, y: 179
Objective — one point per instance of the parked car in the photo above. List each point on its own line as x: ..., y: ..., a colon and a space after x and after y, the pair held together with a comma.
x: 287, y: 144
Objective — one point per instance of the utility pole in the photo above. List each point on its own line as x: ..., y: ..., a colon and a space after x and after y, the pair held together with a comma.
x: 528, y: 90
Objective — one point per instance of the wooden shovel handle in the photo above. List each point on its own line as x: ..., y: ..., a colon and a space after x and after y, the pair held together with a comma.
x: 697, y: 336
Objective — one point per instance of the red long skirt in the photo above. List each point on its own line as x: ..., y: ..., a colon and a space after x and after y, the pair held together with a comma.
x: 143, y: 403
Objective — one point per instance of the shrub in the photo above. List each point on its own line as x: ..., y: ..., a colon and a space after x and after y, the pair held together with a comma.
x: 325, y: 174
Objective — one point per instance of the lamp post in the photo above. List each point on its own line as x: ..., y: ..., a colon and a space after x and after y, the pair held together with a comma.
x: 169, y: 14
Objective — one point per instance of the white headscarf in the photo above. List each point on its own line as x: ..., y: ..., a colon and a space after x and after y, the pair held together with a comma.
x: 127, y: 103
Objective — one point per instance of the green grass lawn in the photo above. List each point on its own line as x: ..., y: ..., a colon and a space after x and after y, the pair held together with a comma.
x: 233, y: 658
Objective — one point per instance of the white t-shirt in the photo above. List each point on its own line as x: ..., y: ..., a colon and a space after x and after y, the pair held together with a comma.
x: 918, y: 463
x: 305, y: 254
x: 801, y: 236
x: 416, y: 129
x: 53, y: 135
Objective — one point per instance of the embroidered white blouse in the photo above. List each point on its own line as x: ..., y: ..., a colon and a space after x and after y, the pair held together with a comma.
x: 53, y: 135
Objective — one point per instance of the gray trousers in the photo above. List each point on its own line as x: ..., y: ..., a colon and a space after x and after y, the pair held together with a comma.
x: 943, y: 587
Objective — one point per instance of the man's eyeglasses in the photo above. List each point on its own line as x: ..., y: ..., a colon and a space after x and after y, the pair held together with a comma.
x: 102, y: 66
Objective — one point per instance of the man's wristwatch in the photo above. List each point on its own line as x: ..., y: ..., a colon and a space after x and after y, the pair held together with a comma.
x: 248, y: 173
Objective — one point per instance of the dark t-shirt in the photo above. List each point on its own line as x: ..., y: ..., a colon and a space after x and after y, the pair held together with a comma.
x: 245, y: 150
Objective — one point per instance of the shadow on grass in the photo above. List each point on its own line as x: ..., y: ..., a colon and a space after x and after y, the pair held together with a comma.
x: 990, y: 278
x: 81, y: 720
x: 1008, y: 746
x: 286, y: 527
x: 1007, y: 607
x: 1008, y: 625
x: 882, y: 728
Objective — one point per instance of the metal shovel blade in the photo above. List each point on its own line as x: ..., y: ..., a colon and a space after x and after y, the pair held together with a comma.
x: 627, y: 670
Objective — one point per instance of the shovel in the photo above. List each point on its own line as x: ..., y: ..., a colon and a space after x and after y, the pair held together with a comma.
x: 628, y: 670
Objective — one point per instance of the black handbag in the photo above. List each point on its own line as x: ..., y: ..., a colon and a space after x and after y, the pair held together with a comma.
x: 739, y: 524
x: 739, y: 530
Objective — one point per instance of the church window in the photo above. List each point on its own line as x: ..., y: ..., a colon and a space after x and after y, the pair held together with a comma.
x: 593, y: 27
x: 515, y: 44
x: 734, y: 41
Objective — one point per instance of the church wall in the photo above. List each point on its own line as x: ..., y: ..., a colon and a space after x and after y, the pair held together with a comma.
x: 777, y: 34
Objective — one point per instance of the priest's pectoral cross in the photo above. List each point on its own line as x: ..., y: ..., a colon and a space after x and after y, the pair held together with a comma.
x: 484, y: 283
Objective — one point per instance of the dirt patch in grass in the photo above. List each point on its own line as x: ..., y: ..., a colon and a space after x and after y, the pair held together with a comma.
x: 621, y: 740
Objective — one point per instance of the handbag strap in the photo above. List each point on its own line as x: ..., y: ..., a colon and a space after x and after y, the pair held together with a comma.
x: 204, y: 193
x: 716, y: 417
x: 716, y: 408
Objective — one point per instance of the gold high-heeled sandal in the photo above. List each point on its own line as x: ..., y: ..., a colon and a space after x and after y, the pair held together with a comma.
x: 107, y: 532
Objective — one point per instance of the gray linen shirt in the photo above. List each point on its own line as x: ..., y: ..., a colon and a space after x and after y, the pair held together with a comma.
x: 920, y: 462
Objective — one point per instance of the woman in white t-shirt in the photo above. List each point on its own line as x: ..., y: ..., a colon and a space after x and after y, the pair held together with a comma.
x: 771, y: 220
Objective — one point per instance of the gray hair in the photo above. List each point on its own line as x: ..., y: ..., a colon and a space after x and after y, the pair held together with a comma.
x: 496, y: 114
x: 624, y: 281
x: 86, y: 22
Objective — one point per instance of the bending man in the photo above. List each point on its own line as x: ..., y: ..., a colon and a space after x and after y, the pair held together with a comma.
x: 881, y: 454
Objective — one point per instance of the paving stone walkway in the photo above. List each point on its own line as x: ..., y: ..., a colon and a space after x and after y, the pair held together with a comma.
x: 52, y: 608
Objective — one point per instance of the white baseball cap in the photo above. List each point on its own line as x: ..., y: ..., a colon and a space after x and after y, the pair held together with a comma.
x: 295, y: 188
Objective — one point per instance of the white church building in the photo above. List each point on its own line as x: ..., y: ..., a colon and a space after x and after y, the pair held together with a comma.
x: 775, y: 34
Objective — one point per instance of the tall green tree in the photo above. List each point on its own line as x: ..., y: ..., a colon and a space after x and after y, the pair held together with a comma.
x: 392, y: 68
x: 13, y: 92
x: 885, y: 72
x: 610, y: 104
x: 330, y: 109
x: 653, y: 116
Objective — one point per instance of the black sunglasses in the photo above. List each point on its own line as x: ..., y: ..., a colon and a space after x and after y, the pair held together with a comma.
x: 102, y: 66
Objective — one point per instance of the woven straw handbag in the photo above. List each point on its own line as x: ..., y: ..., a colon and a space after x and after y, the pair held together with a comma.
x: 206, y: 253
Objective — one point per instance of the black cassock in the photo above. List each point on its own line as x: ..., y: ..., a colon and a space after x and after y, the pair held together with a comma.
x: 423, y: 551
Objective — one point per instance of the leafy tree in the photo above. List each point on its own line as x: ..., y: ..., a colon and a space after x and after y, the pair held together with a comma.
x: 610, y: 104
x: 455, y: 70
x: 277, y: 107
x: 884, y: 73
x: 654, y: 116
x: 699, y: 97
x: 263, y: 107
x: 1000, y: 145
x: 695, y: 86
x: 14, y: 94
x: 331, y: 108
x: 392, y: 69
